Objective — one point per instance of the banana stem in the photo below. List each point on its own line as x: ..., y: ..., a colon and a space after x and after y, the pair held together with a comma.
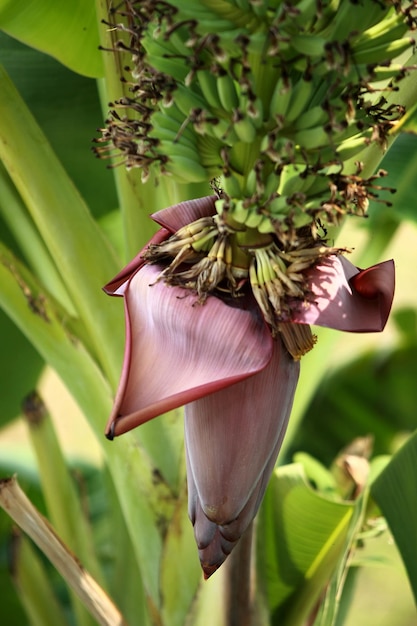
x: 24, y: 231
x: 405, y: 96
x: 136, y: 199
x: 238, y: 589
x: 58, y: 487
x: 33, y: 583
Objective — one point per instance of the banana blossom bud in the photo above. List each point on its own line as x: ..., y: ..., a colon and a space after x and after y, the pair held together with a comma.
x: 237, y: 380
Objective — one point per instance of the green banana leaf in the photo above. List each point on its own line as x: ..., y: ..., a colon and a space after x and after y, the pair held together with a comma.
x: 67, y: 108
x: 392, y: 205
x: 14, y: 460
x: 401, y: 165
x: 180, y: 583
x: 375, y: 394
x: 301, y: 537
x: 34, y: 587
x: 20, y: 366
x: 11, y: 609
x: 395, y: 492
x: 64, y: 29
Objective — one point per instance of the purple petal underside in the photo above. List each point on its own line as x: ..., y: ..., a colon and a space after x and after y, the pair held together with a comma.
x: 347, y: 298
x: 232, y: 440
x: 178, y: 350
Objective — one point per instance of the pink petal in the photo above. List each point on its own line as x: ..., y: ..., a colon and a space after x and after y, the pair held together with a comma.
x: 215, y: 542
x: 117, y: 286
x: 347, y: 298
x: 175, y: 217
x: 171, y: 219
x: 232, y: 440
x: 178, y: 350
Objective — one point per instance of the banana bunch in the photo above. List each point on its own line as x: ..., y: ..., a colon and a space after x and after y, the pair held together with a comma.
x: 269, y: 98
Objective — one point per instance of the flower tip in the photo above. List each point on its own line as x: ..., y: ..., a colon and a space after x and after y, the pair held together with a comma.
x: 377, y: 283
x: 214, y: 553
x: 208, y: 570
x: 109, y: 433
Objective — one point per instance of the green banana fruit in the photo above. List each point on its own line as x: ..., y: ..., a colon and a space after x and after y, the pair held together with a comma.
x: 254, y: 219
x: 382, y: 53
x: 307, y: 12
x: 312, y: 117
x: 223, y: 130
x: 209, y: 20
x: 209, y: 150
x: 244, y: 5
x: 181, y: 150
x: 295, y: 180
x: 233, y: 185
x: 279, y: 207
x: 245, y: 129
x: 208, y: 85
x: 271, y: 184
x: 186, y: 170
x: 301, y: 219
x: 227, y: 92
x: 167, y: 127
x: 310, y: 45
x: 164, y: 57
x: 384, y: 31
x: 251, y: 187
x: 351, y: 147
x: 280, y: 99
x: 171, y: 67
x: 265, y: 226
x: 255, y: 110
x: 300, y: 97
x: 187, y: 99
x: 312, y: 138
x: 238, y: 211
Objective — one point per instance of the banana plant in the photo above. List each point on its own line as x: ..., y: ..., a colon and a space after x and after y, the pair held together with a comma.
x: 251, y: 131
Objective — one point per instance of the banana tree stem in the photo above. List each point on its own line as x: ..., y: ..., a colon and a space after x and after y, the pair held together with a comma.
x: 238, y: 588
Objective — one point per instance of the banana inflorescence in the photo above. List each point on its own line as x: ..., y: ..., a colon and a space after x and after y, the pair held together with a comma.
x: 220, y: 85
x: 273, y: 100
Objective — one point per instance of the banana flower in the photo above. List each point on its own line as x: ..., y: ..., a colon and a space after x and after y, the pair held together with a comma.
x: 236, y: 380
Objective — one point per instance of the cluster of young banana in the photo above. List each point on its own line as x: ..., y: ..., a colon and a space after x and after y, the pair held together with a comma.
x: 271, y: 97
